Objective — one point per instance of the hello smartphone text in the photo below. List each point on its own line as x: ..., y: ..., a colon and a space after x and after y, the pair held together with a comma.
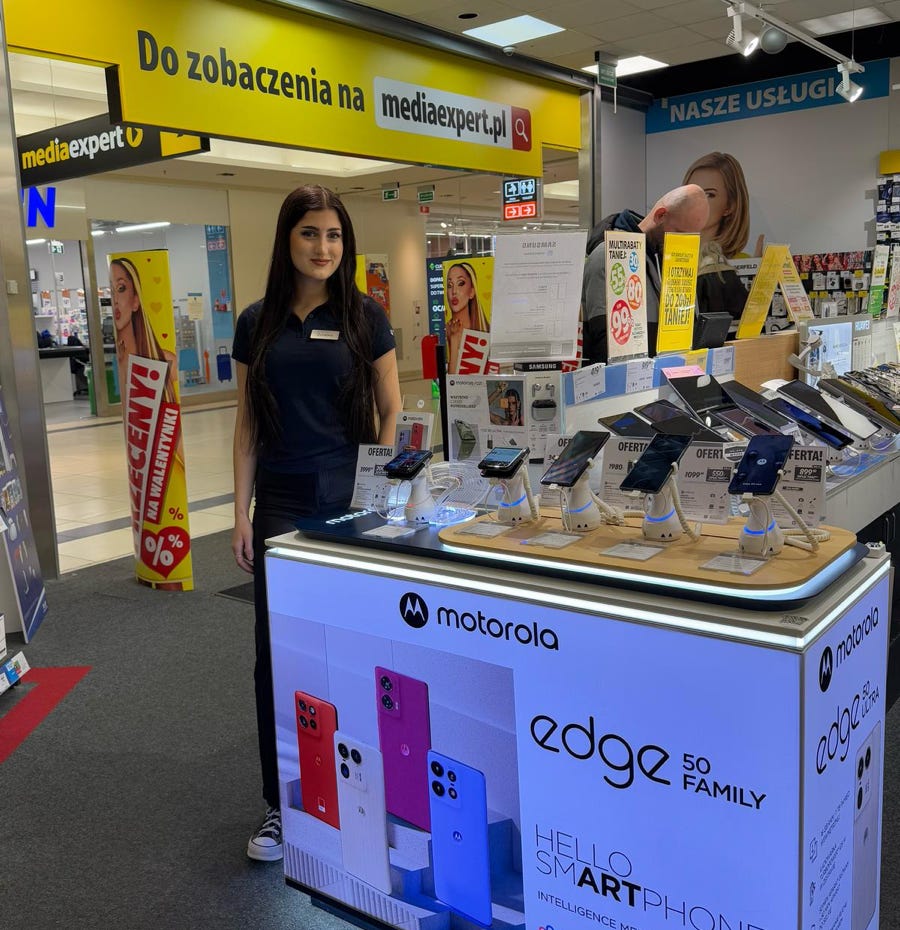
x: 407, y: 464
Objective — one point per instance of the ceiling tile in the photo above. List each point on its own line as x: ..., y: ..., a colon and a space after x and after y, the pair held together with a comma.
x: 693, y: 11
x: 489, y: 11
x: 892, y: 9
x: 699, y: 52
x: 662, y: 4
x: 792, y: 11
x: 584, y: 14
x: 561, y: 43
x: 628, y: 27
x: 670, y: 39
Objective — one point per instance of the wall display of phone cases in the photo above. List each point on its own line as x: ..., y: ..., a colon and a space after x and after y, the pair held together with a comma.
x: 837, y: 282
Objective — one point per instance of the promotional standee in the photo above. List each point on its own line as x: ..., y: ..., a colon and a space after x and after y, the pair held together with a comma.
x: 456, y: 750
x: 145, y: 353
x: 22, y: 587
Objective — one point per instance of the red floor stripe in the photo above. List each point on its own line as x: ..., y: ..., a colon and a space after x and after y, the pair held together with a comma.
x: 48, y: 687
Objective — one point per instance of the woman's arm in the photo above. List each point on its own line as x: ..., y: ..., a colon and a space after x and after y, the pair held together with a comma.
x: 244, y: 457
x: 388, y: 400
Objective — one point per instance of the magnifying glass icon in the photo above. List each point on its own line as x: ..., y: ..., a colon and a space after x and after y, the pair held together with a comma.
x: 519, y: 128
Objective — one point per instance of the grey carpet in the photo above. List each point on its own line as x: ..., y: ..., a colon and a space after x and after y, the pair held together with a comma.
x: 131, y: 805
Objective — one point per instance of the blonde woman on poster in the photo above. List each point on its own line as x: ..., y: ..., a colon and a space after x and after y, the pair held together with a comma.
x: 134, y: 335
x: 464, y: 309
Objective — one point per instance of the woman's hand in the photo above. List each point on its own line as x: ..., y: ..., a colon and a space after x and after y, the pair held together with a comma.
x: 242, y: 543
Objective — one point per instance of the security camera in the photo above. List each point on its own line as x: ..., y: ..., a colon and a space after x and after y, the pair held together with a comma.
x: 509, y: 50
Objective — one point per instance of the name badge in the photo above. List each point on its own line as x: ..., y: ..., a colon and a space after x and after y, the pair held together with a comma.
x: 331, y: 334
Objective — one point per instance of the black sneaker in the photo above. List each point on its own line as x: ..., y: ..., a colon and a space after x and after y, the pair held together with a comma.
x: 265, y: 844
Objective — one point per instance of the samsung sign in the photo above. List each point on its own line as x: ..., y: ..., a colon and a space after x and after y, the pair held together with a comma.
x: 762, y: 98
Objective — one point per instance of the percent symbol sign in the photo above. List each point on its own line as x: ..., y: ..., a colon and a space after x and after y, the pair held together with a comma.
x: 162, y: 549
x: 176, y: 512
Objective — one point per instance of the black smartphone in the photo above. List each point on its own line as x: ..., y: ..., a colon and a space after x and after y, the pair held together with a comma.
x: 658, y: 410
x: 755, y: 404
x: 573, y: 460
x: 857, y: 398
x: 831, y: 411
x: 502, y: 461
x: 757, y: 471
x: 702, y: 393
x: 687, y: 426
x: 650, y: 472
x: 407, y: 464
x: 627, y: 424
x: 813, y: 425
x: 744, y: 422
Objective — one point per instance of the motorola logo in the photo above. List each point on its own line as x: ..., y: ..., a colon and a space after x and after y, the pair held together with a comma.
x: 826, y: 668
x: 413, y: 610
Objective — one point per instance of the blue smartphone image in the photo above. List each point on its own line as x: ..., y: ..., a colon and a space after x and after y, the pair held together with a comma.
x: 459, y: 837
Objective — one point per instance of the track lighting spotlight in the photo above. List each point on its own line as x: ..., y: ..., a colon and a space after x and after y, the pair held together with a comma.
x: 847, y: 89
x: 740, y: 39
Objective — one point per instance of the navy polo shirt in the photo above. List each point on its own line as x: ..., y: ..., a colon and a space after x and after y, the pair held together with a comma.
x: 306, y: 376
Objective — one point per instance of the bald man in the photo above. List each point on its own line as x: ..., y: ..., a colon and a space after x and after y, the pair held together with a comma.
x: 683, y: 210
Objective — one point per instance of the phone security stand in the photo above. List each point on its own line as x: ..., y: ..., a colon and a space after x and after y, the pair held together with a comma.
x: 761, y: 535
x: 518, y: 504
x: 419, y: 507
x: 663, y: 518
x: 580, y: 512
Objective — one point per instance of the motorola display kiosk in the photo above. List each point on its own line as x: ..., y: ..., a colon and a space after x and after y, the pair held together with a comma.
x: 491, y: 733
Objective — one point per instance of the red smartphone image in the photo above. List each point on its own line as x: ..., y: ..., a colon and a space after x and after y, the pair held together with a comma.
x: 418, y: 434
x: 316, y: 725
x: 404, y: 736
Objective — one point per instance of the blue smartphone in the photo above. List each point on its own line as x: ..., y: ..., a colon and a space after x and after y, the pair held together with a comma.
x: 758, y: 471
x: 459, y: 838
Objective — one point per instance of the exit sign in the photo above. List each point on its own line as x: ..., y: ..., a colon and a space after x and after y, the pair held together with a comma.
x: 390, y: 193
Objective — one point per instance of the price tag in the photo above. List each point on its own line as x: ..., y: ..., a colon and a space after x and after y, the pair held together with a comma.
x: 391, y: 531
x: 635, y: 551
x: 552, y: 540
x: 589, y: 382
x: 638, y: 375
x: 370, y: 476
x: 803, y: 486
x: 734, y: 563
x: 619, y: 454
x: 704, y: 475
x: 484, y: 529
x: 723, y: 361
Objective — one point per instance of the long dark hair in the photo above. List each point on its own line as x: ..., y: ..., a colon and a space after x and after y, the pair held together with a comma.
x: 356, y: 400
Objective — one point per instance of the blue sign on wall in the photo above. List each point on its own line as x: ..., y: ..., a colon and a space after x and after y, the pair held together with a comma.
x: 762, y: 98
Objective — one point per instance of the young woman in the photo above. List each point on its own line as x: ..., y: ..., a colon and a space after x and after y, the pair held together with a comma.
x: 722, y: 178
x: 725, y: 235
x: 134, y: 335
x: 464, y: 310
x: 316, y: 376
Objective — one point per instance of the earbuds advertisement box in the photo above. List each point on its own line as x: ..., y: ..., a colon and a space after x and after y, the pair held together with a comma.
x: 542, y: 409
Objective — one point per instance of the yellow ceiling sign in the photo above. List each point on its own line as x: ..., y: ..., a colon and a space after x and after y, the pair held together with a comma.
x: 254, y: 71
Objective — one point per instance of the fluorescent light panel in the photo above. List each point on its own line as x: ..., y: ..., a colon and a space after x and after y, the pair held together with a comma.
x: 842, y: 22
x: 513, y: 31
x: 637, y: 64
x: 140, y: 227
x: 34, y: 241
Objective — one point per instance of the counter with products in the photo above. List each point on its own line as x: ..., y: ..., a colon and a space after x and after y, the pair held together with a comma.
x: 474, y: 737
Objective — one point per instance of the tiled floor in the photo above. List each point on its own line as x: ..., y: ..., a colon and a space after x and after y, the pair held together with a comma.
x: 90, y: 486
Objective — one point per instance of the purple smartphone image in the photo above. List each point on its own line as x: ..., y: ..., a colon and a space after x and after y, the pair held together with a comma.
x: 404, y: 736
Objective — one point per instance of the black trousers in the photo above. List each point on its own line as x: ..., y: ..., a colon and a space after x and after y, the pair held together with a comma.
x: 280, y: 499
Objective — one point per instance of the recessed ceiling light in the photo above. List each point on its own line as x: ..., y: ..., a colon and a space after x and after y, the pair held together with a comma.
x: 841, y: 22
x: 34, y: 241
x: 467, y: 16
x: 512, y: 31
x: 637, y: 64
x: 226, y: 174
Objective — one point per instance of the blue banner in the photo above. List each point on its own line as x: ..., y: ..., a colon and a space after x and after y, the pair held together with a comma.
x: 19, y: 536
x: 219, y: 282
x: 762, y: 98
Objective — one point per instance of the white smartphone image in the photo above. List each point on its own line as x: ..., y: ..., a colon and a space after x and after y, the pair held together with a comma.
x: 361, y: 807
x: 866, y: 792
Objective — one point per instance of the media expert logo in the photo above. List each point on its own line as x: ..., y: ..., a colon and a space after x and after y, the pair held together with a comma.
x: 415, y: 613
x: 89, y: 146
x: 829, y: 664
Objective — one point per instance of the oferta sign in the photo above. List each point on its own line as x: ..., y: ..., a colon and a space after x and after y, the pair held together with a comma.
x: 260, y: 72
x: 91, y: 146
